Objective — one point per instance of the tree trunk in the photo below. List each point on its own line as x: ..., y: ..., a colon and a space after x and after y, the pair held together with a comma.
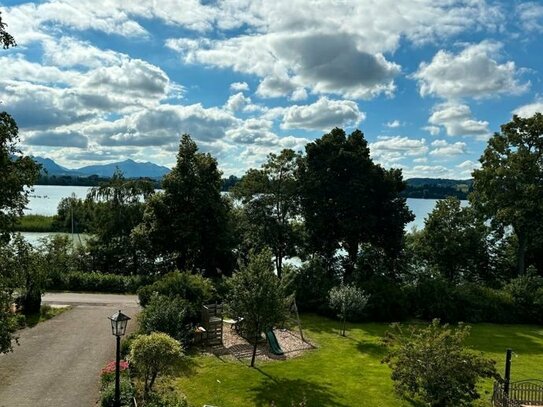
x: 521, y: 251
x: 279, y: 263
x: 254, y: 351
x: 352, y: 253
x: 343, y: 327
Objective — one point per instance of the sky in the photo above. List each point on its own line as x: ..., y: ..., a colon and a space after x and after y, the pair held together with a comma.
x: 427, y: 81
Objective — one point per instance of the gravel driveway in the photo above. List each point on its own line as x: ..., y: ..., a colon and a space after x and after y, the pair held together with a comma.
x: 58, y: 361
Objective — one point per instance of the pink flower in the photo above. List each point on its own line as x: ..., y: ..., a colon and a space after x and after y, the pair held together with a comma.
x: 110, y: 367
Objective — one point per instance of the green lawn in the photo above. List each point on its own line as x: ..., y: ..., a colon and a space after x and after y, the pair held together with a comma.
x: 342, y: 371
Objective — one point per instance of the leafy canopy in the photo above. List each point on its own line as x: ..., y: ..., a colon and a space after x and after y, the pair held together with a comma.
x: 432, y: 364
x: 257, y: 296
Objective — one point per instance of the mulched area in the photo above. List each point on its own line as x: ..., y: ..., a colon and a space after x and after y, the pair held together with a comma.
x: 238, y: 347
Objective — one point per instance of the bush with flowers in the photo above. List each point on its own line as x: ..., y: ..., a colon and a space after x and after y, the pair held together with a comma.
x: 108, y: 372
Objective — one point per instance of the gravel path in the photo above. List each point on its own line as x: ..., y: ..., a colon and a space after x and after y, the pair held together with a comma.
x: 58, y: 361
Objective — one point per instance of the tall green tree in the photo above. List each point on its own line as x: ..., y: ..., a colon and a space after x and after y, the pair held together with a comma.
x: 257, y: 296
x: 189, y: 220
x: 508, y: 188
x: 454, y: 242
x: 17, y: 174
x: 348, y: 200
x: 271, y: 205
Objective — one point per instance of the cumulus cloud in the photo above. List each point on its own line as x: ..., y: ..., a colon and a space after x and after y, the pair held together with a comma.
x: 443, y: 149
x: 324, y: 114
x: 457, y: 120
x: 529, y: 110
x: 57, y: 139
x: 433, y: 130
x: 239, y: 87
x: 403, y: 146
x: 474, y: 72
x: 237, y: 102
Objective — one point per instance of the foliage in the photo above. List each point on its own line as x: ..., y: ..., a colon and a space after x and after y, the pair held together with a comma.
x: 311, y: 282
x: 169, y: 399
x: 454, y: 242
x: 527, y: 295
x: 507, y: 188
x: 348, y: 200
x: 257, y: 296
x: 388, y: 300
x: 194, y: 288
x: 107, y: 375
x: 168, y: 315
x: 154, y: 354
x: 8, y: 321
x: 432, y: 364
x: 347, y: 301
x: 97, y: 282
x: 6, y: 39
x: 74, y: 213
x: 16, y: 173
x: 189, y: 220
x: 270, y: 205
x: 35, y: 223
x: 127, y: 393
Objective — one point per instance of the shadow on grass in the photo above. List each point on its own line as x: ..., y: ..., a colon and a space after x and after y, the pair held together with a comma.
x: 373, y: 349
x: 292, y: 392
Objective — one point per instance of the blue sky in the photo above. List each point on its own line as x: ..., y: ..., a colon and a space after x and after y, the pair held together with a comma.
x: 426, y: 81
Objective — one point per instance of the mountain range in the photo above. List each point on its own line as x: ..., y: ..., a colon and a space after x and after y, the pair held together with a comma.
x: 130, y: 169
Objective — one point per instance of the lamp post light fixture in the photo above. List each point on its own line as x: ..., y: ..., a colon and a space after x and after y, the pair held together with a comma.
x: 119, y: 321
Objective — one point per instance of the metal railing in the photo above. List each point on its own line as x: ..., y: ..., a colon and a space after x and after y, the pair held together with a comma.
x: 518, y: 394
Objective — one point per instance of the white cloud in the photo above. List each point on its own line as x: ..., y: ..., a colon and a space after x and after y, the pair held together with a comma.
x: 239, y: 87
x: 474, y: 72
x: 531, y: 16
x: 324, y: 114
x: 70, y: 52
x: 393, y: 124
x: 403, y: 146
x: 443, y: 149
x: 529, y: 110
x: 469, y: 165
x: 237, y: 102
x: 457, y: 120
x: 433, y: 130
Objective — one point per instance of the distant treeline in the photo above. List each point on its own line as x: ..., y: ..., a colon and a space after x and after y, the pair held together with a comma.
x: 95, y: 180
x: 428, y: 188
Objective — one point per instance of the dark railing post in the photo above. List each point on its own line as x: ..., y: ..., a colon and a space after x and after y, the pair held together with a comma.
x: 118, y: 374
x: 507, y: 371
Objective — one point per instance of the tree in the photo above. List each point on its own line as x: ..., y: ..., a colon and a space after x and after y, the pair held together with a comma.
x: 154, y: 354
x: 271, y: 205
x: 256, y: 295
x: 508, y: 188
x: 454, y: 242
x: 189, y: 221
x: 348, y: 200
x: 6, y: 39
x: 432, y: 364
x: 348, y: 301
x: 16, y: 173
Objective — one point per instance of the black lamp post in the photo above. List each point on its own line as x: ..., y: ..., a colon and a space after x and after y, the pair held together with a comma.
x: 119, y: 321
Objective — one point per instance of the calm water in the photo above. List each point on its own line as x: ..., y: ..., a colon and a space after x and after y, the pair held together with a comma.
x: 45, y: 199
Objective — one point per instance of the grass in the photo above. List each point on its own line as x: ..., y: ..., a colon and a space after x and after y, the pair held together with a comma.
x: 35, y: 223
x: 342, y: 371
x: 46, y: 312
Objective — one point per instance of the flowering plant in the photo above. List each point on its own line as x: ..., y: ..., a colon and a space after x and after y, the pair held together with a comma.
x: 108, y: 372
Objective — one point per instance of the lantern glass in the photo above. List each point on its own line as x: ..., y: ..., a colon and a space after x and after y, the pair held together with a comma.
x: 119, y: 321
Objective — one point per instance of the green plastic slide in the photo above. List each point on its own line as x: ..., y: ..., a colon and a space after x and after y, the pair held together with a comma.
x: 274, y: 345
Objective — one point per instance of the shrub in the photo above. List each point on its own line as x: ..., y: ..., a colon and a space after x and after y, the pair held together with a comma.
x: 152, y: 355
x: 194, y: 288
x: 388, y: 300
x: 107, y: 375
x: 477, y: 303
x: 431, y: 364
x: 348, y: 301
x: 127, y: 393
x: 97, y: 282
x: 168, y: 315
x: 525, y: 291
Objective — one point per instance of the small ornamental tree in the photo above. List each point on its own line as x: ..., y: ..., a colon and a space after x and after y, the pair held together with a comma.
x: 431, y: 364
x: 347, y: 301
x: 257, y: 296
x: 153, y: 354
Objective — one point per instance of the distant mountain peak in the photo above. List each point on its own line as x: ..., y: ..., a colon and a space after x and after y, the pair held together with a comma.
x: 129, y: 167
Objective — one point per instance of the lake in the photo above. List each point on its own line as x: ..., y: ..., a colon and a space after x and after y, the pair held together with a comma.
x: 44, y: 200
